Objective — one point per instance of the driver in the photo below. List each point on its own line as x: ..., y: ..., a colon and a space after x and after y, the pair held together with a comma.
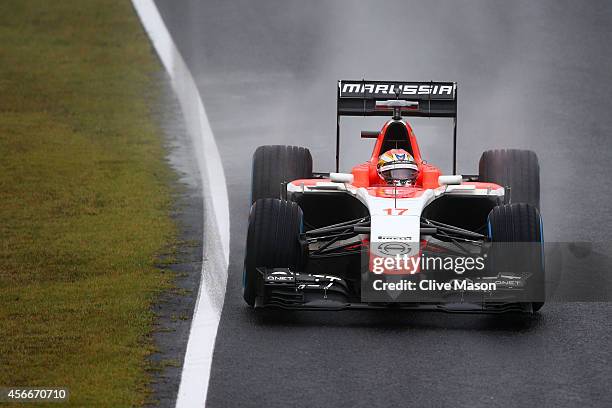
x: 397, y: 167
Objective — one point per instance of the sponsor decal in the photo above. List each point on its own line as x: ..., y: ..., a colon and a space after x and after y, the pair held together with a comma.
x: 357, y: 89
x: 394, y: 248
x: 391, y: 238
x: 280, y: 276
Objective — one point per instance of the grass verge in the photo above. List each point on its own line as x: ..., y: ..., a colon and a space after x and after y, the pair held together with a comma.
x: 84, y: 199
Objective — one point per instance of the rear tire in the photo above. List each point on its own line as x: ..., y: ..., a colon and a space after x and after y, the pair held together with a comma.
x: 272, y: 241
x: 519, y: 223
x: 277, y: 164
x: 517, y: 169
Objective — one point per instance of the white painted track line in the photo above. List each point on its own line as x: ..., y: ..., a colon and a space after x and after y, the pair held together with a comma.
x: 198, y: 356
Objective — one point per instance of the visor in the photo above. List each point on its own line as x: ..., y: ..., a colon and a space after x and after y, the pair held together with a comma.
x: 400, y: 174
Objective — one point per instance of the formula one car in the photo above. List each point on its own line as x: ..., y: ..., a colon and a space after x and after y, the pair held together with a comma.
x: 314, y: 239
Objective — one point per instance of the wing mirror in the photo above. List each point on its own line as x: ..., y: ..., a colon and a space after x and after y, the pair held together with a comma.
x: 341, y: 177
x: 450, y: 180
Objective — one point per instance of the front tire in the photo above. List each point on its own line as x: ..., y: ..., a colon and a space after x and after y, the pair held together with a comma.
x: 277, y: 164
x: 519, y: 223
x: 272, y: 241
x: 517, y: 169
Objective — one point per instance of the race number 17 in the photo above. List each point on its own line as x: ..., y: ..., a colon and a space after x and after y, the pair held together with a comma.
x: 395, y: 211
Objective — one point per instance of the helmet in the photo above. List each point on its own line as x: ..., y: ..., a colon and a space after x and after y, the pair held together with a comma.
x: 398, y: 167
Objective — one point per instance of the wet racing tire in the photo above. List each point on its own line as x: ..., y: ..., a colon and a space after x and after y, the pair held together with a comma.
x: 277, y: 164
x: 517, y: 169
x: 272, y: 241
x: 517, y: 225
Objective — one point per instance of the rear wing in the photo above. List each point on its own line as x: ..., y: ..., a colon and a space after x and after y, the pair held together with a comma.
x: 367, y: 98
x: 392, y: 98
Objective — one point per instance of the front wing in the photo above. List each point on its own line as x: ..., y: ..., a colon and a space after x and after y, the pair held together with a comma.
x: 286, y: 289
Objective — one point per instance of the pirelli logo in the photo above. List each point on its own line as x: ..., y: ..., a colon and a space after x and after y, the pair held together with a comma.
x: 444, y: 90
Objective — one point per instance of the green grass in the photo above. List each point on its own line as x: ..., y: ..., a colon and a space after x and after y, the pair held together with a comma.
x: 84, y: 199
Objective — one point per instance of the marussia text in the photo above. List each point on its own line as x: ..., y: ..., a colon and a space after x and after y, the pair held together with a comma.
x: 392, y: 89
